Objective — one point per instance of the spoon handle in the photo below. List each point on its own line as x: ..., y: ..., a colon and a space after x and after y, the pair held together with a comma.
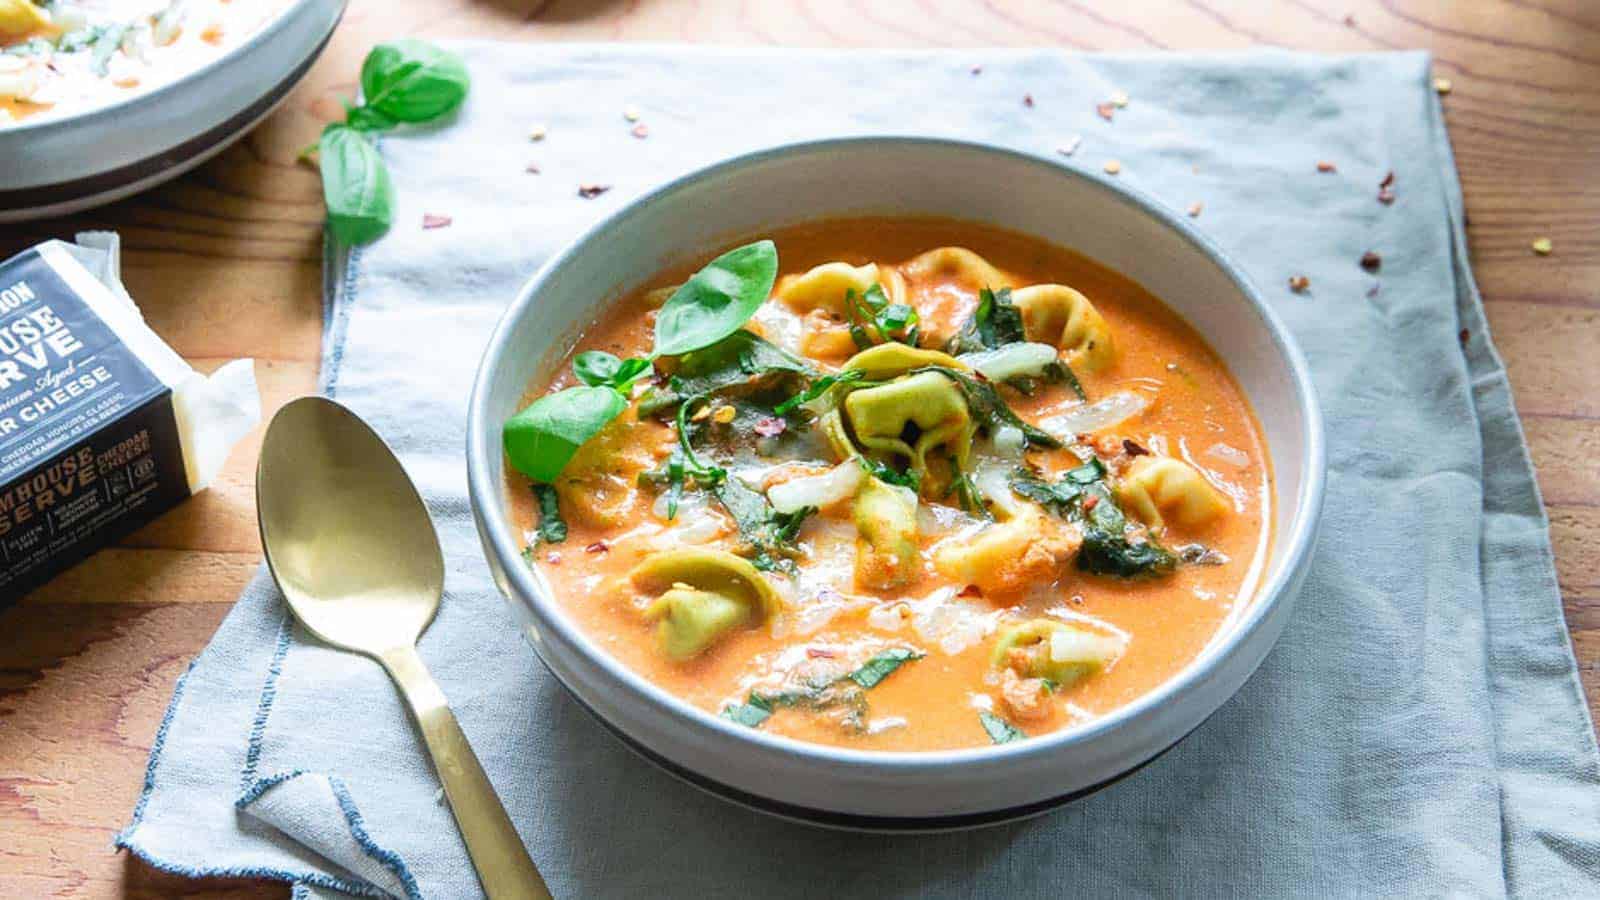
x: 504, y: 868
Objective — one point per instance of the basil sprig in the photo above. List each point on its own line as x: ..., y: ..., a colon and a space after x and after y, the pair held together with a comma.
x: 403, y: 82
x: 710, y: 306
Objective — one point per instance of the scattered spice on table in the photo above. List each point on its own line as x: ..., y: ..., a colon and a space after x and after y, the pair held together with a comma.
x: 1373, y: 291
x: 1105, y: 110
x: 1195, y: 208
x: 591, y: 191
x: 1386, y: 189
x: 1371, y: 261
x: 1070, y: 146
x: 977, y: 70
x: 1465, y: 336
x: 1442, y: 85
x: 1119, y: 99
x: 1325, y: 166
x: 531, y: 168
x: 640, y: 131
x: 1299, y: 284
x: 1542, y: 246
x: 537, y: 133
x: 631, y: 113
x: 1027, y: 100
x: 1113, y: 167
x: 434, y: 220
x: 1349, y: 20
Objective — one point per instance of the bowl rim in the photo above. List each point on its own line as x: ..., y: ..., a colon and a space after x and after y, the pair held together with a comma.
x: 158, y: 95
x: 498, y: 536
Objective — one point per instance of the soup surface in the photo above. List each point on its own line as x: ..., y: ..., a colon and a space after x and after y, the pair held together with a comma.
x: 68, y: 56
x: 948, y: 486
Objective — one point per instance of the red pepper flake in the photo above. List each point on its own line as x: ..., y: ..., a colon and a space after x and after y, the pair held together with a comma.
x: 531, y: 168
x: 771, y: 426
x: 1090, y: 502
x: 433, y: 220
x: 1465, y: 336
x: 1195, y: 208
x: 1325, y: 166
x: 1133, y: 449
x: 1350, y: 20
x: 1371, y: 261
x: 1027, y: 100
x: 1106, y: 110
x: 819, y: 653
x: 640, y: 131
x: 591, y: 191
x: 1077, y: 599
x: 553, y: 558
x: 977, y: 70
x: 598, y: 547
x: 1299, y: 284
x: 1373, y: 291
x: 1386, y: 196
x: 1388, y: 181
x: 970, y: 590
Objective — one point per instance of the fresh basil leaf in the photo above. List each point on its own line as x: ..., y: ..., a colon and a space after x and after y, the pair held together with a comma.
x: 1000, y: 731
x: 552, y: 528
x: 596, y: 367
x: 365, y: 118
x: 717, y: 300
x: 413, y: 81
x: 1083, y: 496
x: 542, y: 439
x: 355, y: 185
x: 882, y: 666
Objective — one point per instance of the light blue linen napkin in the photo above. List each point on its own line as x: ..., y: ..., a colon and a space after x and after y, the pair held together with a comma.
x: 1418, y: 730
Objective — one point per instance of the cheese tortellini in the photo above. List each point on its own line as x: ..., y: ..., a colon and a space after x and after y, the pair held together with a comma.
x: 1157, y: 489
x: 957, y: 264
x: 880, y: 416
x: 702, y: 595
x: 1058, y: 651
x: 887, y: 553
x: 820, y: 296
x: 599, y: 487
x: 1007, y: 558
x: 1056, y: 314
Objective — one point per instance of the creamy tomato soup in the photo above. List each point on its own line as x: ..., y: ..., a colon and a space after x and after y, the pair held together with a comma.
x: 945, y: 486
x: 62, y: 57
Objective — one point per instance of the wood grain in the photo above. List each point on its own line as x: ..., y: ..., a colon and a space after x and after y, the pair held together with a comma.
x: 226, y: 262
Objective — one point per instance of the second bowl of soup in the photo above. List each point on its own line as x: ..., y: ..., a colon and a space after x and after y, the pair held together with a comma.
x: 888, y: 489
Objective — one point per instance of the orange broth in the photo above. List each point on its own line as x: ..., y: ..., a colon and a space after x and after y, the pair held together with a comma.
x: 1196, y: 413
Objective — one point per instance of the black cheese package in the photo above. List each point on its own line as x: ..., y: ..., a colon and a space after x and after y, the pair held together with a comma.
x: 102, y: 426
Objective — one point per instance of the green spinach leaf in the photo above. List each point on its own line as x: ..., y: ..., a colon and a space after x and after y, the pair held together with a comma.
x: 995, y: 322
x: 882, y: 666
x: 552, y: 528
x: 999, y: 730
x: 874, y: 320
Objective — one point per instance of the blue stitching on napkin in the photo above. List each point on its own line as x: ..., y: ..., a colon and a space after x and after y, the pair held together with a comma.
x: 358, y: 829
x: 149, y: 787
x: 269, y: 692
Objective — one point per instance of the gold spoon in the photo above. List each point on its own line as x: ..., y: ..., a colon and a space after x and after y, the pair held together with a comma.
x: 355, y: 554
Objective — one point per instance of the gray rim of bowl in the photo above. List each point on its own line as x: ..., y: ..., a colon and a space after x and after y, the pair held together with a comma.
x: 485, y: 492
x: 144, y: 98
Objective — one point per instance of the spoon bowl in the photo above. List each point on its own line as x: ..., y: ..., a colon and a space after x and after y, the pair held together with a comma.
x: 347, y: 536
x: 351, y: 546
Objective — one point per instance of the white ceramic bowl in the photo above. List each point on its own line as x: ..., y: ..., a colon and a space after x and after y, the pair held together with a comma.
x: 55, y: 166
x: 746, y: 196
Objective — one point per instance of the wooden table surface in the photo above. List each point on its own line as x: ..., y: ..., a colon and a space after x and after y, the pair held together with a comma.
x: 226, y: 263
